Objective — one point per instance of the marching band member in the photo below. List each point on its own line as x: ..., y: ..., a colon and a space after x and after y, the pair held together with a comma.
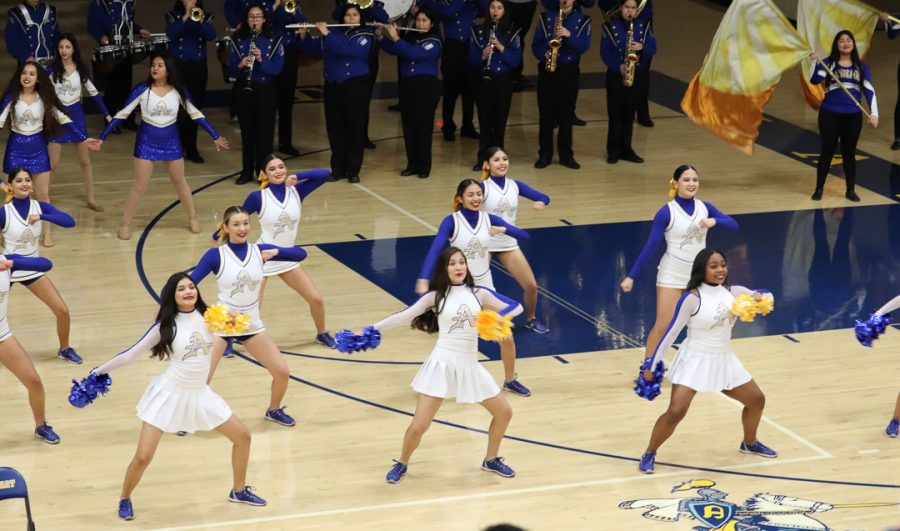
x: 557, y: 90
x: 346, y: 93
x: 31, y: 31
x: 642, y: 75
x: 188, y: 47
x: 621, y: 100
x: 236, y: 10
x: 892, y: 28
x: 160, y: 97
x: 840, y: 117
x: 458, y: 17
x: 418, y: 55
x: 286, y: 82
x: 494, y: 50
x: 255, y: 60
x: 521, y: 13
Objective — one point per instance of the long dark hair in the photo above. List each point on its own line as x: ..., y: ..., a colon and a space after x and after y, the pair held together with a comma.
x: 698, y: 270
x: 243, y: 32
x: 460, y: 190
x: 173, y: 77
x: 168, y: 310
x: 440, y: 285
x: 58, y: 70
x: 45, y: 91
x: 505, y: 26
x: 433, y: 33
x: 835, y: 54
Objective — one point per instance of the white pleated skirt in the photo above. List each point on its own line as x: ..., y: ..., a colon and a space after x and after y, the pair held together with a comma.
x: 448, y: 374
x: 707, y: 371
x: 172, y: 407
x: 673, y: 273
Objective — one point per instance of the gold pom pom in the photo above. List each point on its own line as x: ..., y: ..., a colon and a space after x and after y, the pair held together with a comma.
x: 766, y: 304
x: 224, y: 321
x: 492, y: 326
x: 744, y: 307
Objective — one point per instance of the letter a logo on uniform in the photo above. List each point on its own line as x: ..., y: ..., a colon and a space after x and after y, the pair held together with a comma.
x: 711, y: 513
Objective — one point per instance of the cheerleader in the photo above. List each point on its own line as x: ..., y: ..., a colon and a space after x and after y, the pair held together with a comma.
x: 893, y: 427
x: 840, y: 117
x: 278, y: 203
x: 346, y: 92
x: 12, y: 355
x: 683, y: 222
x: 179, y: 399
x: 418, y: 54
x: 22, y: 221
x: 70, y: 77
x: 705, y: 362
x: 452, y: 370
x: 892, y: 28
x: 495, y: 50
x: 238, y: 267
x: 501, y: 198
x: 161, y: 97
x: 472, y: 230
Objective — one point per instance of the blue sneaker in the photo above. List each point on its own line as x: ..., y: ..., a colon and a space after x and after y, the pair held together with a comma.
x: 893, y: 428
x: 648, y: 463
x: 45, y: 433
x: 229, y: 351
x: 759, y: 449
x: 326, y: 340
x: 514, y: 386
x: 69, y: 355
x: 537, y: 327
x: 279, y: 416
x: 126, y: 511
x: 497, y: 466
x: 396, y: 473
x: 246, y: 495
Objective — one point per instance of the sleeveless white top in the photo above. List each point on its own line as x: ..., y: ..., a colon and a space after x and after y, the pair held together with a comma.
x: 21, y: 238
x: 684, y: 235
x: 279, y: 223
x: 474, y: 243
x: 504, y: 203
x: 709, y: 330
x: 238, y: 282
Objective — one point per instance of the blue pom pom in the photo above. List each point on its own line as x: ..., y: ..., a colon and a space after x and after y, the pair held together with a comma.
x: 645, y: 389
x: 348, y: 342
x: 86, y: 391
x: 869, y: 330
x: 344, y: 339
x: 371, y: 337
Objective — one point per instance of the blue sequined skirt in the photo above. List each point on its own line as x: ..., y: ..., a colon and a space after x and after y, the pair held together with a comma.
x: 26, y: 151
x: 158, y: 143
x: 79, y: 124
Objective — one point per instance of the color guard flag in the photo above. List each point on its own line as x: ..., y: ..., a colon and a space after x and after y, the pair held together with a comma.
x: 754, y: 45
x: 818, y: 21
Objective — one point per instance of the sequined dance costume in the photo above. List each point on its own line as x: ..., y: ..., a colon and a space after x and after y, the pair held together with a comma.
x: 157, y: 136
x: 69, y: 88
x: 26, y: 146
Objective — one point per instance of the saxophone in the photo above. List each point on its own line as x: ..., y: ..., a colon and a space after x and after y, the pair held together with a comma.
x: 555, y: 43
x: 631, y: 57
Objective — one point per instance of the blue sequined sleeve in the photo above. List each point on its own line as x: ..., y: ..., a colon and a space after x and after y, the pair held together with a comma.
x: 130, y: 105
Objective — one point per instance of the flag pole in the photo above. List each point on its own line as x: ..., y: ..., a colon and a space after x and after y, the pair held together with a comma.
x: 841, y: 84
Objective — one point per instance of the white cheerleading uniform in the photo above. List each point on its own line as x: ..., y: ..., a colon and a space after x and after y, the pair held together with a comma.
x: 178, y: 399
x: 684, y: 239
x: 279, y: 222
x: 238, y: 281
x: 452, y: 369
x: 5, y: 284
x: 475, y: 244
x: 21, y: 238
x: 503, y: 203
x: 705, y: 361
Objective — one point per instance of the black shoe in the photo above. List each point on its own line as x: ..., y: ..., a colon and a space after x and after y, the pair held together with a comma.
x: 335, y: 178
x: 395, y: 107
x: 424, y: 174
x: 578, y: 121
x: 449, y: 136
x: 817, y: 195
x: 195, y: 158
x: 542, y: 163
x: 896, y: 145
x: 244, y: 179
x: 289, y: 150
x: 646, y: 123
x: 408, y: 171
x: 469, y: 132
x: 612, y: 160
x: 354, y: 179
x: 479, y: 166
x: 633, y: 157
x: 851, y: 195
x: 369, y: 144
x: 570, y: 163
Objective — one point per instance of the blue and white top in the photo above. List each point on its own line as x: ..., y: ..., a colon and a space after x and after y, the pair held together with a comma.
x: 419, y: 58
x: 501, y: 198
x: 69, y: 89
x: 31, y: 31
x: 19, y: 262
x: 29, y: 117
x: 20, y: 237
x: 160, y: 112
x: 855, y: 79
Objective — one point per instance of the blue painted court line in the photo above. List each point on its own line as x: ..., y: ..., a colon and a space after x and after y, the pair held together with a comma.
x: 561, y: 359
x: 789, y: 338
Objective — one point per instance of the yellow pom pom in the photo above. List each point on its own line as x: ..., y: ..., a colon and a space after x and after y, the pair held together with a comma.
x: 224, y: 321
x: 765, y: 305
x: 744, y: 307
x: 492, y: 326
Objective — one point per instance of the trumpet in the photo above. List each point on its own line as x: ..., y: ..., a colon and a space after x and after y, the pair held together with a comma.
x: 362, y: 4
x: 196, y: 14
x: 290, y: 6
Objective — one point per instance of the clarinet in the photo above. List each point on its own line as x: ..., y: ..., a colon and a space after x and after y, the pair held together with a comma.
x: 249, y: 86
x: 486, y: 71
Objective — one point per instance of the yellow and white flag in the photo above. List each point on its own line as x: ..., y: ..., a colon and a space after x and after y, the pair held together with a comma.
x: 818, y: 21
x: 754, y: 45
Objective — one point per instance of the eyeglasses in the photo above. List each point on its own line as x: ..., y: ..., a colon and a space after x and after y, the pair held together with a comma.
x: 255, y: 16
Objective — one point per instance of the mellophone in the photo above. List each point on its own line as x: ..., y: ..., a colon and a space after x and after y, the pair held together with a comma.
x: 109, y: 56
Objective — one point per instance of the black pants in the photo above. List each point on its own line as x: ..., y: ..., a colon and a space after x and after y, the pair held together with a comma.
x: 346, y: 115
x: 256, y: 112
x: 455, y: 72
x: 194, y: 75
x: 118, y: 87
x: 897, y: 108
x: 833, y: 127
x: 621, y: 102
x: 556, y: 94
x: 373, y: 76
x: 286, y: 85
x: 521, y: 14
x: 494, y: 99
x: 418, y: 100
x: 642, y: 81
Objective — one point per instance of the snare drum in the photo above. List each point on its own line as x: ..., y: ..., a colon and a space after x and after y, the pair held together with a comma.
x: 106, y: 58
x: 159, y: 44
x: 139, y: 51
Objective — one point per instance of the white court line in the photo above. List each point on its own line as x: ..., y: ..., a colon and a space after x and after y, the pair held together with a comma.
x: 397, y: 207
x: 474, y: 496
